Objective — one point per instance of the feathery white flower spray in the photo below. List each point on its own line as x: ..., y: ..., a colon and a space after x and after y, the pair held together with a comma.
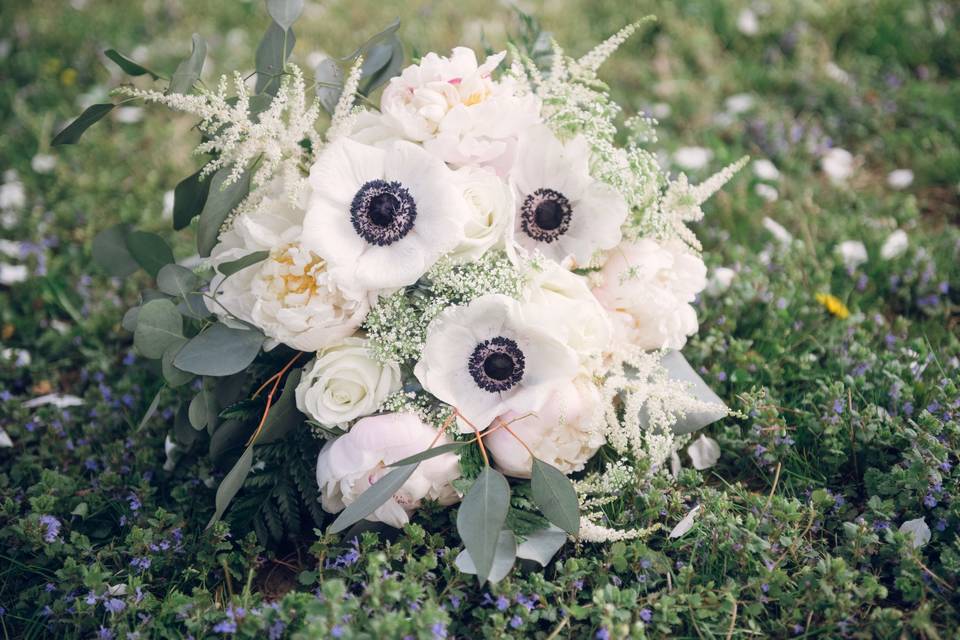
x: 345, y: 112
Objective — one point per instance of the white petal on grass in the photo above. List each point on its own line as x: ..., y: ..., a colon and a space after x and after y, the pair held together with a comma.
x: 692, y: 158
x: 128, y: 115
x: 765, y: 191
x: 11, y: 248
x: 747, y: 22
x: 5, y: 441
x: 739, y: 103
x: 852, y: 252
x: 704, y: 452
x: 837, y: 163
x: 720, y: 280
x: 686, y: 524
x: 776, y: 229
x: 43, y: 163
x: 168, y: 198
x: 675, y: 464
x: 765, y: 170
x: 58, y: 400
x: 895, y: 245
x: 12, y: 273
x: 20, y: 357
x: 918, y: 530
x: 900, y: 179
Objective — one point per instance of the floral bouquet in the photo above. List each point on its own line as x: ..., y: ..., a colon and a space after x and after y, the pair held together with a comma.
x: 475, y: 281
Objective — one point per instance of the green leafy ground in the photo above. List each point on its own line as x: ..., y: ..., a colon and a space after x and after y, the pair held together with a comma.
x: 848, y: 428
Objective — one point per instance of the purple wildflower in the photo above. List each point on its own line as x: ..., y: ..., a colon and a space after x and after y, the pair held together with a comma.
x: 52, y: 525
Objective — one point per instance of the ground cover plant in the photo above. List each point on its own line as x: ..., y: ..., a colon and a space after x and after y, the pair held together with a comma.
x: 831, y: 511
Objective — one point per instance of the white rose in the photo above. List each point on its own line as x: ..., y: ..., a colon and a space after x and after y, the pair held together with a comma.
x: 490, y: 209
x: 349, y: 465
x: 455, y: 108
x: 562, y: 433
x: 647, y: 288
x: 561, y: 302
x: 344, y: 382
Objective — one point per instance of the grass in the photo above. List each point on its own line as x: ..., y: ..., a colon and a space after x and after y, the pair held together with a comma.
x: 847, y: 428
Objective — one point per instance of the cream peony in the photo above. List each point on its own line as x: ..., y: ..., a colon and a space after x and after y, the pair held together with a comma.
x: 562, y: 212
x: 349, y: 465
x: 490, y: 209
x: 560, y: 302
x: 455, y: 108
x: 485, y: 359
x: 563, y: 432
x: 381, y: 217
x: 344, y: 383
x: 647, y: 287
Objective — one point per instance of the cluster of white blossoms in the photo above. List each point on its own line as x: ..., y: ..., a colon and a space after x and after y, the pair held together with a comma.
x: 466, y: 164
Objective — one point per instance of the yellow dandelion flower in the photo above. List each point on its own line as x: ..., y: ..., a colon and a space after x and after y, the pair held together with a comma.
x: 833, y: 304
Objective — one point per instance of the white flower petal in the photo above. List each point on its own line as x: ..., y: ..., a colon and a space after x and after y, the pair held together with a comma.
x: 685, y: 524
x: 918, y: 531
x: 704, y: 452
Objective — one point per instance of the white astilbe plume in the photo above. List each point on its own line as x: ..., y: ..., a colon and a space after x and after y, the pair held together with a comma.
x: 588, y: 65
x: 590, y: 531
x: 642, y: 405
x: 241, y: 135
x: 345, y: 113
x: 680, y: 205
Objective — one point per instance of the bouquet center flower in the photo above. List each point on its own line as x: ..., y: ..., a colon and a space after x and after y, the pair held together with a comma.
x: 496, y: 364
x: 545, y: 215
x: 382, y: 212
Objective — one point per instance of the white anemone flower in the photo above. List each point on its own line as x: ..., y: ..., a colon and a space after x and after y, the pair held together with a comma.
x: 351, y: 464
x: 485, y: 359
x: 381, y: 217
x: 562, y: 433
x: 563, y: 212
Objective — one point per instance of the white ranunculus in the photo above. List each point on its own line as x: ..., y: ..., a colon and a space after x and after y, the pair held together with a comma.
x: 485, y: 358
x: 489, y: 208
x: 765, y: 170
x: 852, y: 252
x: 704, y: 452
x: 381, y: 217
x: 647, y: 287
x: 895, y: 245
x: 455, y: 109
x: 344, y: 382
x: 900, y: 179
x: 692, y: 158
x: 296, y: 302
x: 562, y: 433
x: 778, y: 231
x: 349, y: 465
x: 562, y: 211
x: 837, y: 163
x: 720, y: 280
x: 561, y: 302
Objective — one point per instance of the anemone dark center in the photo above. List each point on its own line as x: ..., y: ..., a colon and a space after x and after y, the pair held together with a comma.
x: 545, y: 215
x: 496, y: 364
x: 382, y: 212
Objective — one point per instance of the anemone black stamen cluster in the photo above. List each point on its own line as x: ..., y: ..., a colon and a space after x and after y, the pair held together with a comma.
x: 383, y: 212
x: 496, y: 364
x: 545, y: 215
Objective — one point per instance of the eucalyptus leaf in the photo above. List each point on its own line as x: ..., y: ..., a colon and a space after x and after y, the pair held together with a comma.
x: 231, y: 484
x: 382, y: 58
x: 541, y: 545
x: 188, y: 72
x: 177, y: 281
x: 329, y: 77
x: 212, y: 405
x: 220, y: 202
x: 229, y: 436
x: 285, y: 12
x: 194, y: 305
x: 72, y: 132
x: 432, y: 452
x: 149, y: 250
x: 219, y: 351
x: 197, y: 411
x: 174, y: 377
x: 230, y: 268
x: 679, y: 369
x: 481, y: 516
x: 271, y: 58
x: 129, y: 67
x: 158, y: 326
x: 189, y: 197
x: 129, y: 321
x: 283, y: 416
x: 110, y: 251
x: 152, y: 409
x: 183, y: 432
x: 554, y: 494
x: 504, y: 557
x: 368, y: 501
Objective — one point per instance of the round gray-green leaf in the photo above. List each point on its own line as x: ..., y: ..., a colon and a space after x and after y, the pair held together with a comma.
x: 149, y: 250
x: 219, y: 351
x: 285, y: 12
x: 110, y: 251
x: 505, y: 556
x: 554, y: 494
x: 174, y: 377
x: 158, y: 326
x: 480, y: 519
x: 175, y: 280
